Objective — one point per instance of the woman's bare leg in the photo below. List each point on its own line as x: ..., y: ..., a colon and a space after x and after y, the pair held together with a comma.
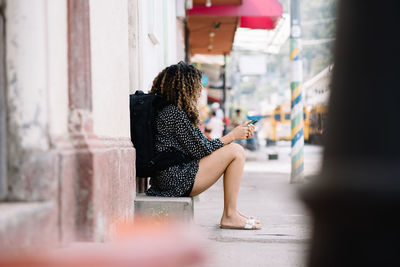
x: 212, y: 167
x: 229, y: 160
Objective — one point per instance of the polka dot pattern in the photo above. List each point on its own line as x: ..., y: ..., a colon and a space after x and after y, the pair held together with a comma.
x: 174, y: 132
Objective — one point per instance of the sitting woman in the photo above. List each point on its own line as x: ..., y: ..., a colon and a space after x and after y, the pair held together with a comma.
x: 177, y: 130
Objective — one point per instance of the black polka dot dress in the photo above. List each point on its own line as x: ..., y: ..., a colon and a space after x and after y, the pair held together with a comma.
x: 176, y: 133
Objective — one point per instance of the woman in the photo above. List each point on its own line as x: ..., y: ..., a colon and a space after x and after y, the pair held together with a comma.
x: 177, y: 130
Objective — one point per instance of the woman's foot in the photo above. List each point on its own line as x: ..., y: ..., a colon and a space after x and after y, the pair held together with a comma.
x: 249, y: 217
x: 237, y: 221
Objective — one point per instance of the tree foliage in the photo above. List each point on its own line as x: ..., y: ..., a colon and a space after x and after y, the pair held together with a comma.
x: 318, y: 23
x: 318, y: 19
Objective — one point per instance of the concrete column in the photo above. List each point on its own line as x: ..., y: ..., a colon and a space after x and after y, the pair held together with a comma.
x: 26, y: 71
x: 30, y: 210
x: 65, y: 183
x: 133, y: 18
x: 27, y: 96
x: 3, y: 110
x: 97, y: 172
x: 79, y: 69
x: 355, y: 200
x: 77, y: 208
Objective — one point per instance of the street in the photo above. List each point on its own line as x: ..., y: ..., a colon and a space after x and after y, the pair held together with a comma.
x: 267, y: 194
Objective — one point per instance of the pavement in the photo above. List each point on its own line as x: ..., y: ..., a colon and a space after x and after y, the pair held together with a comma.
x: 266, y: 192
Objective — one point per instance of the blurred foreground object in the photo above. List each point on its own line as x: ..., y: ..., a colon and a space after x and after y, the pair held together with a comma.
x: 145, y: 243
x: 355, y: 200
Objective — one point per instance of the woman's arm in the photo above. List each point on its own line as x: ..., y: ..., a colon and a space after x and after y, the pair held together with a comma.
x: 241, y: 132
x: 227, y: 139
x: 192, y: 141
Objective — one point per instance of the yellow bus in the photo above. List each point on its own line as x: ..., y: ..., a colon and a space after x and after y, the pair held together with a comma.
x: 306, y: 125
x: 278, y: 124
x: 317, y: 124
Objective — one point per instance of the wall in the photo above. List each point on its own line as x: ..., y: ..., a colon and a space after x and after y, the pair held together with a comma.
x: 134, y: 46
x: 3, y: 110
x: 110, y: 67
x: 37, y: 78
x: 157, y: 18
x: 37, y: 111
x: 32, y: 73
x: 97, y: 172
x: 180, y: 40
x: 71, y: 173
x: 69, y: 64
x: 27, y: 74
x: 57, y: 61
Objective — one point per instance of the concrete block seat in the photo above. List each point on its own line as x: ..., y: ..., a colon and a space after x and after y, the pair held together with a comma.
x: 181, y: 208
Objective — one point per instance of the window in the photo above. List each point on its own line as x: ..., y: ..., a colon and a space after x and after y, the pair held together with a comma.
x: 277, y: 117
x: 287, y: 116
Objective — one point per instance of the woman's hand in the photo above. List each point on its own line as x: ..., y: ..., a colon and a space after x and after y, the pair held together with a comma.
x: 241, y: 132
x: 251, y: 130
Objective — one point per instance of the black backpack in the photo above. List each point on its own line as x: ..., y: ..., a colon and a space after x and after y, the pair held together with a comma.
x: 144, y: 109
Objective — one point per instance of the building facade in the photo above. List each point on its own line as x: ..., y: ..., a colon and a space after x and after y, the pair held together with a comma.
x: 67, y: 67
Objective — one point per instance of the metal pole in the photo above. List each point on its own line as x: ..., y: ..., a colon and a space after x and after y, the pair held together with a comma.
x: 224, y: 103
x: 187, y: 50
x: 297, y: 154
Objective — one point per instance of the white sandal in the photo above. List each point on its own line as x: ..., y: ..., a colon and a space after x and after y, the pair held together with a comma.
x: 250, y: 225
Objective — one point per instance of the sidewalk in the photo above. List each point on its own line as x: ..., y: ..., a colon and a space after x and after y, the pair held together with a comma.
x: 266, y: 193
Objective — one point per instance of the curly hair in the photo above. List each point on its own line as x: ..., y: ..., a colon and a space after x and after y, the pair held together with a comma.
x: 181, y: 85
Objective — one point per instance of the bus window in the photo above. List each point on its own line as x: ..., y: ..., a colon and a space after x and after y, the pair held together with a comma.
x: 277, y: 117
x: 304, y: 116
x: 323, y: 122
x: 287, y: 116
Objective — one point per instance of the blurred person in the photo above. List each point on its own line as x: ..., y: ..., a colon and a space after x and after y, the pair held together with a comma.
x: 203, y: 109
x: 218, y: 111
x: 207, y: 132
x: 205, y: 161
x: 215, y: 125
x: 238, y: 117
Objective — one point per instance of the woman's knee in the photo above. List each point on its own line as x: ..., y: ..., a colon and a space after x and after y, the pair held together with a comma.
x: 238, y: 151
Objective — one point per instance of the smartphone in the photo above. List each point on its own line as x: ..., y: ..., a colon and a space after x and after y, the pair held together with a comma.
x: 252, y: 122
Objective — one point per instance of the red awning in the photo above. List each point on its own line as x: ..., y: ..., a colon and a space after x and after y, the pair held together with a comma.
x: 267, y: 23
x: 255, y: 14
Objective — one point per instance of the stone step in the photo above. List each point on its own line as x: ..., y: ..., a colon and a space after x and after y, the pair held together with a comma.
x: 24, y: 225
x: 181, y: 208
